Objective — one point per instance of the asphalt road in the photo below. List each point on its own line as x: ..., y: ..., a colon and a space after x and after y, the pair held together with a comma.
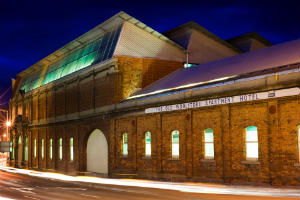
x: 17, y: 186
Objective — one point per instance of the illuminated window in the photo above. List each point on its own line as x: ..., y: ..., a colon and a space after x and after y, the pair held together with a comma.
x: 26, y: 149
x: 209, y: 144
x: 43, y: 148
x: 34, y: 143
x: 71, y: 150
x: 251, y: 143
x: 20, y: 140
x: 189, y: 65
x: 175, y: 144
x: 60, y: 145
x: 12, y: 151
x: 125, y: 144
x: 94, y: 52
x: 148, y: 143
x: 51, y: 149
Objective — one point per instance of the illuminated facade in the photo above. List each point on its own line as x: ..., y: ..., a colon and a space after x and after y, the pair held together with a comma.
x: 117, y: 101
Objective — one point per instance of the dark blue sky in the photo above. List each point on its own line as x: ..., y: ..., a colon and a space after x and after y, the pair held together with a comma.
x: 31, y: 30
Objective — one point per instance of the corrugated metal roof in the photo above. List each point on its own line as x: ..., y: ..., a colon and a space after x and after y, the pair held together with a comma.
x: 270, y: 57
x: 183, y: 40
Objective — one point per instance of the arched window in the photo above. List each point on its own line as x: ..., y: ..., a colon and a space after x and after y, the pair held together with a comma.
x: 148, y: 143
x: 209, y: 152
x: 43, y: 148
x: 251, y: 143
x: 34, y: 143
x: 125, y: 144
x: 175, y: 144
x: 26, y: 149
x: 60, y: 148
x: 71, y: 149
x: 51, y: 149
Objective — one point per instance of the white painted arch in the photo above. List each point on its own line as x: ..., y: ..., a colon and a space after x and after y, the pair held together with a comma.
x: 97, y: 152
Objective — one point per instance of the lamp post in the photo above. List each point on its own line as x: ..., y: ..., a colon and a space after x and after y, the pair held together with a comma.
x: 8, y: 123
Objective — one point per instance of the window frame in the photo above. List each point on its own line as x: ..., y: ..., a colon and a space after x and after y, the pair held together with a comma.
x: 26, y: 149
x: 71, y: 143
x: 60, y: 149
x: 246, y: 142
x: 148, y: 153
x: 51, y: 148
x: 42, y: 148
x: 174, y: 144
x: 124, y: 143
x: 34, y: 148
x: 208, y: 142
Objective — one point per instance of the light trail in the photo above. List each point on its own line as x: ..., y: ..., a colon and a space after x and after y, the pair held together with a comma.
x: 183, y: 187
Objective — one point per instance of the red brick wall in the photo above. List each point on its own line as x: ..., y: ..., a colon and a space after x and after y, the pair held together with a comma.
x: 276, y: 120
x: 86, y: 97
x: 50, y: 104
x: 42, y: 106
x: 35, y: 107
x: 60, y: 101
x: 71, y: 99
x: 140, y: 72
x: 105, y: 90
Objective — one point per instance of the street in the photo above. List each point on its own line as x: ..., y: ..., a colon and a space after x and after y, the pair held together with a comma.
x: 20, y: 186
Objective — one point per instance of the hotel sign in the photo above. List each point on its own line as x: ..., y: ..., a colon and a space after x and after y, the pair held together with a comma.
x: 227, y: 100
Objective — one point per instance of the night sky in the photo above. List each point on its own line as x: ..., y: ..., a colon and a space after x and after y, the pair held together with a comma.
x: 31, y: 30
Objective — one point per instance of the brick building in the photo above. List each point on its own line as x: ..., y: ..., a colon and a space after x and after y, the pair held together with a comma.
x: 117, y: 101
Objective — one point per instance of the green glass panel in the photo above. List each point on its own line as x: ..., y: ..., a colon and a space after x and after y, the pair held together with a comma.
x: 175, y: 136
x: 58, y: 73
x: 94, y: 52
x: 208, y: 135
x: 80, y: 63
x: 148, y: 137
x: 252, y: 128
x: 125, y: 138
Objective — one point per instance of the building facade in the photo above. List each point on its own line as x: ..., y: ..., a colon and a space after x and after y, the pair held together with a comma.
x: 102, y: 104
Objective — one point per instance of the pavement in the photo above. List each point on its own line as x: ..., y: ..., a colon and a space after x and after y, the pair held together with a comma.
x: 106, y: 188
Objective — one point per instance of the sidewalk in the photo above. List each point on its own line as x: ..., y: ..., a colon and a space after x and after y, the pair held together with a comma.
x: 190, y: 187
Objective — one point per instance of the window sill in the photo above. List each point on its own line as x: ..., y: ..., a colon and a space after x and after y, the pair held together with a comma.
x: 251, y: 162
x: 147, y: 158
x: 296, y: 165
x: 175, y: 158
x: 124, y: 157
x: 208, y: 160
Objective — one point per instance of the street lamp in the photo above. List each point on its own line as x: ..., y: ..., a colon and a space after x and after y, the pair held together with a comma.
x: 8, y: 123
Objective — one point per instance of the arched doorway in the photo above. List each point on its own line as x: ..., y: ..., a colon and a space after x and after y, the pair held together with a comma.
x: 97, y: 153
x: 20, y: 151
